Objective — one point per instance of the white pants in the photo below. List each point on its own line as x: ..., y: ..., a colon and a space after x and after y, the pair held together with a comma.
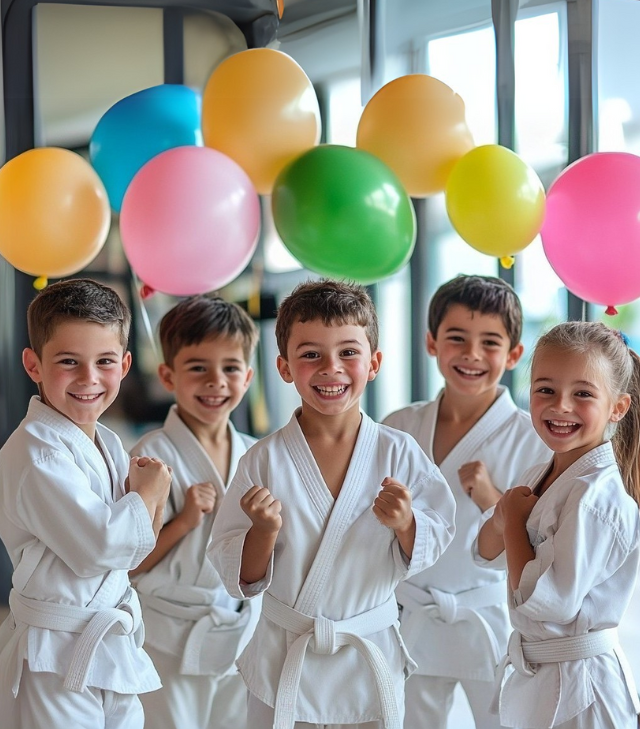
x: 193, y: 702
x: 428, y: 700
x: 260, y: 716
x: 44, y: 703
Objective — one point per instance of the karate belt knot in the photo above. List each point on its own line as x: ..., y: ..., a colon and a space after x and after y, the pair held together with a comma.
x: 92, y: 624
x: 450, y: 608
x: 326, y: 637
x: 521, y: 655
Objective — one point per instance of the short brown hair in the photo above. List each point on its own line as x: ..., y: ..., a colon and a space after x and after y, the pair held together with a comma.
x: 333, y: 302
x: 72, y: 300
x: 484, y: 294
x: 203, y: 317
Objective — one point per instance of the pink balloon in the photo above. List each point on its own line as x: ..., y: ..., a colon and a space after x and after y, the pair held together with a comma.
x: 591, y: 232
x: 190, y: 221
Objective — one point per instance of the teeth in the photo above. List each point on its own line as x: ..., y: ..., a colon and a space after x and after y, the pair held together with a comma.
x: 333, y: 390
x: 562, y: 423
x: 562, y: 427
x: 466, y: 371
x: 212, y: 400
x: 87, y: 397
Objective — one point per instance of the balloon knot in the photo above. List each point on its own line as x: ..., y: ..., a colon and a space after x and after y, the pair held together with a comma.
x: 40, y: 283
x: 146, y: 292
x: 507, y: 261
x: 611, y: 311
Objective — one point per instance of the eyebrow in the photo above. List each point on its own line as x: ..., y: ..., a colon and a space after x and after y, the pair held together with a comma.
x: 583, y: 383
x: 320, y: 344
x: 465, y: 331
x: 194, y: 360
x: 112, y: 353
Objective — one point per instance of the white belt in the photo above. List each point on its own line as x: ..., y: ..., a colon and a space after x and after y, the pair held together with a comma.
x: 326, y: 637
x: 449, y: 607
x: 92, y: 624
x: 204, y: 617
x: 554, y: 650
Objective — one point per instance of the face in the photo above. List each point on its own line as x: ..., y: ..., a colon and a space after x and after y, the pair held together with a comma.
x: 80, y: 371
x: 209, y: 379
x: 570, y: 403
x: 473, y: 351
x: 329, y: 365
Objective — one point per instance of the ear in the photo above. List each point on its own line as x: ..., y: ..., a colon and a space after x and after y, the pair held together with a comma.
x: 249, y: 377
x: 126, y: 364
x: 374, y: 364
x: 514, y: 356
x: 283, y: 369
x: 31, y: 363
x: 620, y: 408
x: 431, y: 345
x: 165, y: 373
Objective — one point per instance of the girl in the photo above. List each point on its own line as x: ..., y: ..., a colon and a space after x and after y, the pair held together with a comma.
x: 571, y: 537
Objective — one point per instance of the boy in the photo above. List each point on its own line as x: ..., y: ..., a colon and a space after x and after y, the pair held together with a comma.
x: 194, y: 629
x: 454, y: 618
x: 326, y: 516
x: 70, y: 651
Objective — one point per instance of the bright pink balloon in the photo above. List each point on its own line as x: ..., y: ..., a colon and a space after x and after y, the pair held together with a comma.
x: 591, y: 232
x: 190, y: 221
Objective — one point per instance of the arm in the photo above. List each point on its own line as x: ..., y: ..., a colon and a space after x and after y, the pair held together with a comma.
x: 150, y: 478
x: 392, y: 507
x: 264, y: 511
x: 200, y: 499
x: 516, y: 505
x: 490, y: 541
x: 477, y: 484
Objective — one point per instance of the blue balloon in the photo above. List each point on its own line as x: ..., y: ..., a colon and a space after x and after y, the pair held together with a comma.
x: 139, y: 127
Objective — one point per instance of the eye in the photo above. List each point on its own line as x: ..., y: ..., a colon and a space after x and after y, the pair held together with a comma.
x: 348, y: 353
x: 491, y: 343
x: 544, y: 391
x: 584, y: 394
x: 105, y: 361
x: 455, y: 338
x: 197, y: 368
x: 231, y: 369
x: 309, y: 355
x: 68, y: 361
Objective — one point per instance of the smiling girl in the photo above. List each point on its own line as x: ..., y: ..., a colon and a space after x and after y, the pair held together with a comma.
x: 571, y: 537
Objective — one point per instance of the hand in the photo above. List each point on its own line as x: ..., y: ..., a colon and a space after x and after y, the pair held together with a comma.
x: 150, y: 477
x: 476, y: 483
x: 516, y: 504
x: 200, y: 499
x: 392, y: 506
x: 263, y: 510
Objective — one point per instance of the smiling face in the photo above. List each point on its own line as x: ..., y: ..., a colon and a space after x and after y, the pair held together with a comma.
x: 571, y: 405
x: 329, y: 366
x: 80, y: 370
x: 209, y: 379
x: 473, y: 350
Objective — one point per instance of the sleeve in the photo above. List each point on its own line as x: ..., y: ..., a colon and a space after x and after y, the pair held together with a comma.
x: 56, y: 503
x: 227, y: 539
x: 584, y: 551
x: 434, y: 509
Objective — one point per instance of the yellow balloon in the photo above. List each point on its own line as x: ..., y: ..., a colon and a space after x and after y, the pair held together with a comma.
x: 416, y: 124
x: 54, y: 212
x: 260, y: 109
x: 495, y: 201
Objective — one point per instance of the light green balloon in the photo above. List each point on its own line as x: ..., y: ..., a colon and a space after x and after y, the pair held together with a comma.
x: 344, y: 214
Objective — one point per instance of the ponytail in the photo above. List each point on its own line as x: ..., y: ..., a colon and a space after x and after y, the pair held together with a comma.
x: 626, y: 440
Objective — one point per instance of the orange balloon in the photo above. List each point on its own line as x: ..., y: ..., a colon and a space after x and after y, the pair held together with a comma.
x: 54, y: 212
x: 260, y: 109
x: 416, y: 124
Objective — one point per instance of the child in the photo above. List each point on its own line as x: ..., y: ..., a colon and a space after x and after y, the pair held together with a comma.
x: 70, y: 651
x: 571, y: 535
x: 193, y: 627
x: 454, y: 617
x: 325, y: 517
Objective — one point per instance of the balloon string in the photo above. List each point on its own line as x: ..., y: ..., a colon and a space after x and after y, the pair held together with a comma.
x: 141, y: 296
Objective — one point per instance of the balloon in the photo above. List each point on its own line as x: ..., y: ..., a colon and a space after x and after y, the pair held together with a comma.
x: 190, y: 221
x: 495, y: 201
x: 591, y: 234
x: 139, y: 127
x: 54, y: 212
x: 260, y: 109
x: 416, y: 124
x: 343, y: 213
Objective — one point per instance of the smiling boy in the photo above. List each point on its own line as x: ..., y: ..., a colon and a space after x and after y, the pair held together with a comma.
x: 194, y: 629
x: 325, y: 517
x: 454, y: 617
x: 75, y: 517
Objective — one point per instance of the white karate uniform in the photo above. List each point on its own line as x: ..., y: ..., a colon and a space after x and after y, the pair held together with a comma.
x: 332, y: 577
x: 585, y: 530
x: 72, y: 535
x: 194, y: 629
x: 454, y: 619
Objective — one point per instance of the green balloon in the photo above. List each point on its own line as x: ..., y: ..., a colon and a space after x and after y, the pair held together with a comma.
x: 344, y: 214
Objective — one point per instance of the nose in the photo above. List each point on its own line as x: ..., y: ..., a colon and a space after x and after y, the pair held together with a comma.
x: 471, y: 350
x: 87, y: 375
x: 561, y: 403
x: 215, y: 379
x: 330, y: 365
